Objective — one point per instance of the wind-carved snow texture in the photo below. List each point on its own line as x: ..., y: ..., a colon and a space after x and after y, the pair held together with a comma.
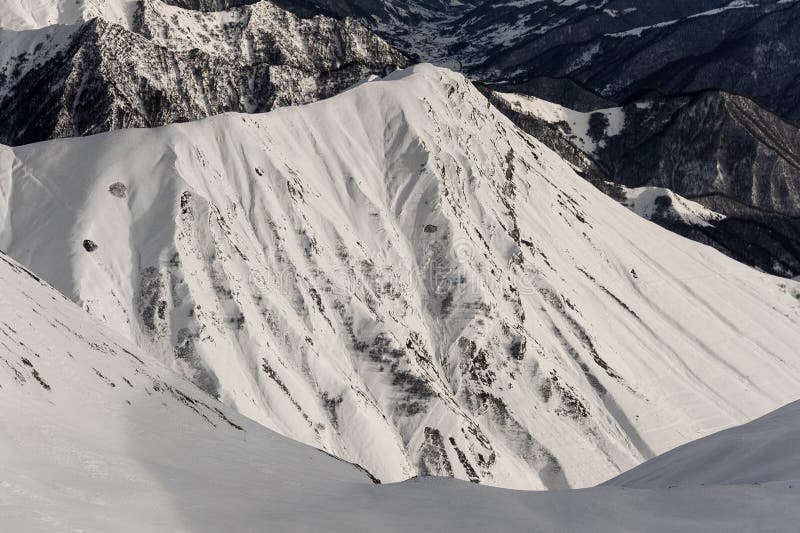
x: 163, y: 64
x: 98, y: 436
x: 401, y: 277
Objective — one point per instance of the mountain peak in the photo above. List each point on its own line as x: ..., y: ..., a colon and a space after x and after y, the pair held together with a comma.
x: 489, y: 325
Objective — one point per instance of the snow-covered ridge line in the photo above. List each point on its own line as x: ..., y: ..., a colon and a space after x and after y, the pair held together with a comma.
x: 400, y: 276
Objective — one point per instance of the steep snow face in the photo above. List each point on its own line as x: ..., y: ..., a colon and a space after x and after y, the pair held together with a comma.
x: 400, y: 276
x: 165, y: 64
x: 98, y: 436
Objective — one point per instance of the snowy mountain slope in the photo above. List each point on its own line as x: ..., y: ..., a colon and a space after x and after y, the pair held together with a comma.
x: 401, y: 277
x: 721, y: 150
x: 98, y: 436
x: 164, y: 64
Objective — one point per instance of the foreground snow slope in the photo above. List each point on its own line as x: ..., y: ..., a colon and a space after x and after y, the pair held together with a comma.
x: 98, y: 436
x: 762, y: 450
x: 97, y: 433
x: 400, y: 276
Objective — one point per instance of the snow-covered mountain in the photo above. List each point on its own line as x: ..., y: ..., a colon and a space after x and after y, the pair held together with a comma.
x: 400, y: 276
x: 103, y: 65
x: 726, y: 65
x: 98, y: 436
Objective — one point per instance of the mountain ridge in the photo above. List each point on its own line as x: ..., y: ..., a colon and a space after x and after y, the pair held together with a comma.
x: 491, y: 275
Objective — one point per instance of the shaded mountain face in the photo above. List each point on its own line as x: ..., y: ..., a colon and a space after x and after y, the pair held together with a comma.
x: 174, y: 65
x: 400, y: 276
x: 99, y: 436
x: 709, y: 144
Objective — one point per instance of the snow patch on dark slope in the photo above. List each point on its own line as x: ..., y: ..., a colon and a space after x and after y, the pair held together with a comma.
x: 397, y: 261
x: 99, y: 436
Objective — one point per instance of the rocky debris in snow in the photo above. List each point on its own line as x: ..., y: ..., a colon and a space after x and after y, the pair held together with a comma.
x: 118, y: 189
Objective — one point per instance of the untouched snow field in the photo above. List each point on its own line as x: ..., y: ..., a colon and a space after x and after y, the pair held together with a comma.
x: 98, y: 436
x: 401, y: 277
